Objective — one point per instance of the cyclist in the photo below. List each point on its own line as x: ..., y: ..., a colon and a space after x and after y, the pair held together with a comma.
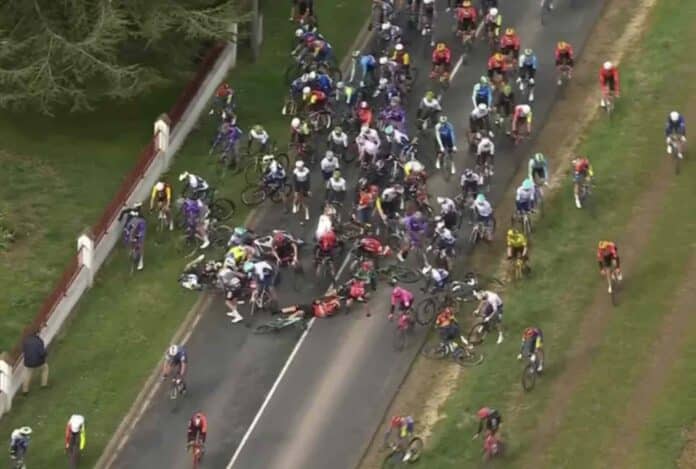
x: 321, y: 50
x: 443, y: 240
x: 134, y: 235
x: 533, y: 343
x: 491, y: 308
x: 300, y: 132
x: 365, y: 203
x: 162, y: 194
x: 284, y: 248
x: 326, y: 246
x: 301, y: 176
x: 428, y: 13
x: 364, y: 114
x: 402, y: 59
x: 504, y: 103
x: 223, y: 100
x: 442, y: 60
x: 315, y: 99
x: 565, y: 58
x: 482, y: 92
x: 609, y: 81
x: 19, y: 442
x: 484, y: 212
x: 368, y: 142
x: 274, y: 177
x: 197, y: 430
x: 195, y: 186
x: 403, y: 426
x: 527, y: 71
x: 524, y: 197
x: 676, y: 125
x: 336, y: 187
x: 608, y: 259
x: 259, y: 135
x: 397, y: 139
x: 448, y: 211
x: 496, y: 67
x: 582, y: 174
x: 538, y: 169
x: 429, y: 107
x: 401, y: 298
x: 510, y: 44
x: 467, y: 16
x: 522, y: 116
x: 75, y: 432
x: 262, y: 272
x: 196, y: 219
x: 338, y: 140
x: 368, y: 64
x: 490, y: 419
x: 517, y: 246
x: 447, y: 327
x: 479, y: 121
x: 446, y: 140
x: 389, y: 202
x: 136, y: 210
x: 492, y: 22
x: 321, y: 81
x: 485, y: 150
x: 394, y: 114
x: 470, y: 183
x: 175, y: 359
x: 416, y: 227
x: 328, y: 165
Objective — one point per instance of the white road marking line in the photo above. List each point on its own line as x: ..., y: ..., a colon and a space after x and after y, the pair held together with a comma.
x: 289, y: 361
x: 456, y: 68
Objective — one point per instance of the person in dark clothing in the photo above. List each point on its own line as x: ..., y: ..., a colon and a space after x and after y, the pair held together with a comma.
x: 34, y: 351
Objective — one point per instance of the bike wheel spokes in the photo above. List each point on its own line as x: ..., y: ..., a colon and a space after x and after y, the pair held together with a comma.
x: 434, y: 351
x: 468, y: 357
x: 415, y: 447
x: 477, y: 333
x: 529, y: 377
x: 425, y: 313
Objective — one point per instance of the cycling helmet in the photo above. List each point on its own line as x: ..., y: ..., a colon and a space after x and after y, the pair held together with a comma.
x: 539, y: 157
x: 383, y: 60
x: 483, y: 80
x: 428, y: 2
x: 443, y: 119
x: 25, y: 431
x: 338, y: 129
x: 510, y: 31
x: 418, y: 215
x: 468, y: 173
x: 306, y: 90
x: 440, y: 46
x: 336, y: 174
x: 396, y: 421
x: 482, y: 107
x: 183, y: 175
x: 329, y: 154
x: 429, y: 95
x: 159, y: 187
x: 257, y: 128
x: 248, y: 267
x: 527, y: 184
x: 562, y: 45
x: 483, y: 412
x: 526, y: 108
x: 299, y: 164
x: 603, y: 245
x: 674, y: 116
x: 295, y: 122
x: 498, y: 56
x: 608, y: 65
x: 480, y: 198
x: 466, y: 3
x: 137, y: 204
x: 529, y: 332
x: 383, y: 81
x: 399, y: 47
x: 299, y: 32
x: 356, y: 53
x: 312, y: 75
x: 364, y: 105
x: 493, y: 11
x: 197, y: 418
x: 388, y: 130
x: 528, y: 52
x: 512, y: 233
x: 507, y: 89
x: 340, y: 85
x: 440, y: 200
x: 173, y: 350
x: 386, y: 26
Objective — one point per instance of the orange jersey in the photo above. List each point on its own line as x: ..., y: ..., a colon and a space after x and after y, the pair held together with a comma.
x: 442, y: 56
x: 467, y: 14
x: 494, y: 62
x: 610, y: 250
x: 510, y: 41
x: 606, y: 75
x: 567, y: 51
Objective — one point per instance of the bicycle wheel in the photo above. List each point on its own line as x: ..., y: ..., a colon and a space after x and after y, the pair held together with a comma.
x: 222, y: 209
x: 527, y: 225
x: 415, y: 447
x: 434, y: 351
x: 467, y: 357
x: 350, y: 231
x: 252, y: 173
x: 221, y: 235
x: 406, y: 274
x: 425, y: 311
x: 253, y: 195
x: 478, y: 333
x: 394, y: 459
x: 264, y: 329
x: 399, y: 339
x: 529, y: 377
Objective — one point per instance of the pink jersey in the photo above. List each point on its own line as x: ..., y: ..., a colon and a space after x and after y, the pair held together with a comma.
x: 401, y: 296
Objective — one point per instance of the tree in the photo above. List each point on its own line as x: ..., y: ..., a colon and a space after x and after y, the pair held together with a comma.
x: 74, y: 52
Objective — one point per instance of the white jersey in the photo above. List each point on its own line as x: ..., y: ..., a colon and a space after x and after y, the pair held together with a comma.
x: 262, y: 269
x: 329, y: 165
x: 446, y: 235
x: 474, y: 178
x: 494, y: 301
x: 337, y: 185
x: 439, y: 275
x: 323, y: 226
x: 301, y: 174
x: 339, y: 139
x: 196, y: 182
x: 262, y: 137
x: 486, y: 145
x: 76, y: 423
x: 483, y: 208
x: 389, y: 194
x: 398, y: 137
x: 370, y: 134
x: 524, y: 195
x: 431, y: 104
x: 479, y: 114
x: 447, y: 205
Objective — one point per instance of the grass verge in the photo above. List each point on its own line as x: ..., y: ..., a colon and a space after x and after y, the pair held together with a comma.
x: 625, y: 153
x: 124, y: 323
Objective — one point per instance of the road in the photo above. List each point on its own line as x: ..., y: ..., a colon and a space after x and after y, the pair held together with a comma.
x: 344, y: 372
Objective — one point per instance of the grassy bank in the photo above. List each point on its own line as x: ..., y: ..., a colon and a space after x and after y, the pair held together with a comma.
x: 124, y: 323
x: 625, y: 154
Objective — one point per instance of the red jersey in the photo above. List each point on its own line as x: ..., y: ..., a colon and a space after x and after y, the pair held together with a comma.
x: 200, y: 429
x: 326, y: 306
x: 327, y: 241
x: 224, y: 90
x: 606, y: 75
x: 371, y: 245
x: 582, y: 165
x: 317, y: 97
x: 610, y: 250
x: 467, y: 14
x: 442, y: 56
x: 495, y: 62
x: 567, y: 52
x: 445, y: 318
x: 510, y: 41
x: 357, y: 289
x: 365, y: 117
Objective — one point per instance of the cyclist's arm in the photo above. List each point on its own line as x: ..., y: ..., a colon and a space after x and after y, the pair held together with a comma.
x: 83, y: 437
x: 438, y: 138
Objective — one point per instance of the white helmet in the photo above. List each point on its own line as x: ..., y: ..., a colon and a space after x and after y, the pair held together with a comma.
x: 299, y: 164
x: 383, y: 60
x: 340, y: 85
x: 25, y: 431
x: 306, y: 90
x: 183, y: 175
x: 674, y: 116
x: 386, y: 26
x: 383, y: 81
x: 312, y: 75
x: 159, y: 187
x: 526, y: 109
x: 440, y: 200
x: 76, y: 423
x: 608, y: 65
x: 304, y: 78
x: 399, y: 47
x: 428, y: 2
x: 364, y: 129
x: 173, y: 350
x: 299, y: 32
x: 482, y: 107
x: 295, y: 122
x: 493, y: 11
x: 330, y: 154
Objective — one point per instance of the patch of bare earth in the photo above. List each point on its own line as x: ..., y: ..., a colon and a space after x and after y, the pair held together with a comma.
x: 429, y: 384
x: 687, y: 460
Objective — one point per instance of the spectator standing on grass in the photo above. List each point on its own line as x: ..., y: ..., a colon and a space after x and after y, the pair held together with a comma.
x: 34, y: 351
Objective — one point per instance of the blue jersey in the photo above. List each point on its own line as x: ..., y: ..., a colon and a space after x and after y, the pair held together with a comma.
x: 135, y: 230
x: 529, y: 61
x: 444, y: 134
x: 367, y: 64
x: 482, y: 94
x: 323, y: 82
x: 678, y: 127
x: 297, y: 85
x: 180, y: 357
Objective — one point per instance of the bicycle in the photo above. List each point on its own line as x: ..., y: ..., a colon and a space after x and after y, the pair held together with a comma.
x: 320, y: 121
x: 545, y: 12
x: 482, y: 232
x: 564, y: 74
x: 613, y: 283
x: 260, y: 163
x: 467, y: 37
x: 609, y: 103
x: 399, y: 454
x: 479, y: 331
x: 523, y: 219
x: 584, y: 192
x: 517, y: 267
x: 73, y: 450
x: 255, y: 194
x: 462, y: 355
x: 404, y: 326
x: 399, y: 272
x: 220, y: 208
x: 17, y: 459
x: 280, y: 323
x: 530, y: 372
x: 457, y: 293
x: 539, y: 195
x: 446, y: 159
x: 325, y: 268
x: 196, y: 448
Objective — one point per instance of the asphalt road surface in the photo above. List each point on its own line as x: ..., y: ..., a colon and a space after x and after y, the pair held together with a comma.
x: 344, y: 371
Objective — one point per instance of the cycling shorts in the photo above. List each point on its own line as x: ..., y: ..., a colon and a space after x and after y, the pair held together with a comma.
x: 517, y: 251
x: 523, y: 205
x: 302, y: 187
x: 538, y: 173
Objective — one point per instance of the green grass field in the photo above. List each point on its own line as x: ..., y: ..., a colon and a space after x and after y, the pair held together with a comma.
x: 122, y: 326
x: 565, y: 288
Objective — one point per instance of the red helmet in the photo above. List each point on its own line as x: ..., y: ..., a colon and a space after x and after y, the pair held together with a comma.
x: 396, y: 421
x: 529, y: 332
x: 366, y: 265
x: 483, y: 412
